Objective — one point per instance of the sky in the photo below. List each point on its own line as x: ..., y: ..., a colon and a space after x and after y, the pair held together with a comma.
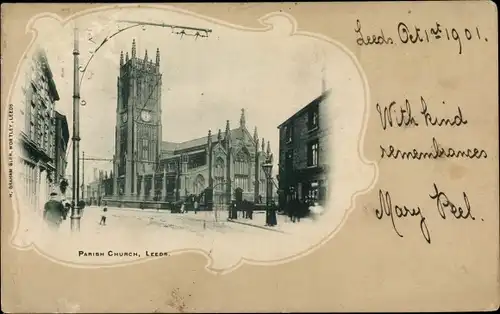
x: 205, y: 82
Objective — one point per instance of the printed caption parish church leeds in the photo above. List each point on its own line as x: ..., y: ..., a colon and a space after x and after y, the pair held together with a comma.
x: 145, y: 168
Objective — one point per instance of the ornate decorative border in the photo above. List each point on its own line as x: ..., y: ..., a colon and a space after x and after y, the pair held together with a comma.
x: 267, y: 27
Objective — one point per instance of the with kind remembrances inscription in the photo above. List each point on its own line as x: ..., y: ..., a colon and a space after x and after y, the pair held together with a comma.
x: 394, y: 116
x: 390, y: 117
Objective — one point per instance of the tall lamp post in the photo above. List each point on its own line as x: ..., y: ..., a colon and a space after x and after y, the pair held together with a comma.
x: 75, y: 204
x: 270, y: 212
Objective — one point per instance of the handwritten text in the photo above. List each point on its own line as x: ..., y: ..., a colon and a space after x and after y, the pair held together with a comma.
x: 415, y: 34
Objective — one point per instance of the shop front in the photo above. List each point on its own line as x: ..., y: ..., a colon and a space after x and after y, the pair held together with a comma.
x: 311, y: 185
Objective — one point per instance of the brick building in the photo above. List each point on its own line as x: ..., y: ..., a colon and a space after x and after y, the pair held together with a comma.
x: 303, y: 152
x: 147, y: 168
x: 37, y: 132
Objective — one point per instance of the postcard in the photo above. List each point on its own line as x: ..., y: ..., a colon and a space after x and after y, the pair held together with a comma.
x: 250, y: 157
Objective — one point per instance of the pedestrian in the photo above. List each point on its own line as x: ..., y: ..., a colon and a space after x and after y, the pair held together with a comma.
x: 196, y: 206
x: 67, y: 206
x: 233, y: 212
x: 182, y: 208
x: 54, y: 212
x: 296, y: 205
x: 103, y: 217
x: 81, y: 206
x: 250, y: 210
x: 273, y: 220
x: 248, y: 205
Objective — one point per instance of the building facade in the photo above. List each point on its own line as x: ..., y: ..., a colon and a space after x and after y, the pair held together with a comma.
x: 61, y: 145
x: 303, y: 152
x: 147, y: 168
x: 99, y: 188
x: 37, y: 144
x: 225, y: 161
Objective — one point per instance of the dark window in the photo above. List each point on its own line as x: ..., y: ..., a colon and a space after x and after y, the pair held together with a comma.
x: 288, y: 133
x: 171, y: 167
x: 312, y: 154
x: 289, y: 160
x: 313, y: 118
x: 145, y: 149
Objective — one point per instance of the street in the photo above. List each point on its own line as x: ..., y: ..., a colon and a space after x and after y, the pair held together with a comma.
x: 198, y: 223
x: 137, y: 232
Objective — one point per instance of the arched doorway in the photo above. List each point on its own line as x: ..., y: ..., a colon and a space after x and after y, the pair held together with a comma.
x: 198, y: 184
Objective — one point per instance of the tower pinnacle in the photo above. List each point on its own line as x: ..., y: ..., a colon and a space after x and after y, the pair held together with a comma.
x: 242, y: 118
x: 219, y: 136
x: 134, y: 49
x: 228, y: 131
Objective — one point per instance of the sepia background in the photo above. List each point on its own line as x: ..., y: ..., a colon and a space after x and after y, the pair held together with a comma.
x: 366, y: 266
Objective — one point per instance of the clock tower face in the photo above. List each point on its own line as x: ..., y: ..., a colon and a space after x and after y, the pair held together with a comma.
x: 145, y: 116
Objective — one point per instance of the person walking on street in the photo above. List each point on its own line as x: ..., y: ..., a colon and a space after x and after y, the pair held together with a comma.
x: 103, y: 217
x: 54, y: 212
x: 196, y: 206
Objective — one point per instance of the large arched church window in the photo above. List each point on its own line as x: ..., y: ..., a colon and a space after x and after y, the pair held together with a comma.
x: 198, y: 184
x: 242, y: 170
x: 219, y: 174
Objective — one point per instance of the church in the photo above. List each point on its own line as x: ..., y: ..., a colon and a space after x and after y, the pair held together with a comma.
x: 145, y: 168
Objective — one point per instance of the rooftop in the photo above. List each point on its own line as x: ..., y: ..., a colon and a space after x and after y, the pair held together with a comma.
x: 317, y: 100
x: 175, y: 147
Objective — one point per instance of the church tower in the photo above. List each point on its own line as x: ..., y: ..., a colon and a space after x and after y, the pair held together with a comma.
x: 138, y: 120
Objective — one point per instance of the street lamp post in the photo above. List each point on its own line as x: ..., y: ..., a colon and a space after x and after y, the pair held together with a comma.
x: 75, y: 204
x: 270, y: 212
